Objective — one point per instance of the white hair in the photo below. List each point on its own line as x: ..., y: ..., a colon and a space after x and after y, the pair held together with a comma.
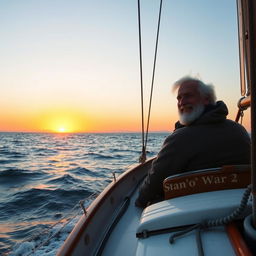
x: 206, y: 90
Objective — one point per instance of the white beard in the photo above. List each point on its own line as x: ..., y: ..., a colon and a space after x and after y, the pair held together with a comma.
x: 188, y: 118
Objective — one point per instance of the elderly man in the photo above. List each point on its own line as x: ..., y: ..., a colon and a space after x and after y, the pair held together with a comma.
x: 203, y: 138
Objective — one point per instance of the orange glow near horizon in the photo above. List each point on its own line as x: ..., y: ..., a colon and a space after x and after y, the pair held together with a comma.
x: 72, y: 120
x: 56, y: 120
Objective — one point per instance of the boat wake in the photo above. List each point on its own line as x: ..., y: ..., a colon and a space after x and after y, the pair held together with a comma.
x: 48, y: 240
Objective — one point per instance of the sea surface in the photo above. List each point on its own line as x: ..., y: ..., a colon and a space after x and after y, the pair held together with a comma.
x: 44, y: 177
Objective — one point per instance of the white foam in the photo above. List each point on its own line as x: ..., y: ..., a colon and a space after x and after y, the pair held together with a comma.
x: 46, y: 244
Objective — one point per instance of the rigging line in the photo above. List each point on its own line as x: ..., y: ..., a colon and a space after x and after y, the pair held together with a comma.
x: 154, y: 67
x: 141, y: 81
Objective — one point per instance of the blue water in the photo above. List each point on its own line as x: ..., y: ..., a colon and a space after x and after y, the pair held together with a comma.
x: 43, y: 177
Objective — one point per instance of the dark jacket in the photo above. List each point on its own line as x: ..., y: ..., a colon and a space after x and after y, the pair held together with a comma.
x: 210, y: 141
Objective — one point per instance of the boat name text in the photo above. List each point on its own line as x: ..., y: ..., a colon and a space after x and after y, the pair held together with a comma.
x: 203, y: 180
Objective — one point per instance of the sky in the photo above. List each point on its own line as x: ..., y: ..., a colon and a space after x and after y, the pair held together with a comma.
x: 73, y: 66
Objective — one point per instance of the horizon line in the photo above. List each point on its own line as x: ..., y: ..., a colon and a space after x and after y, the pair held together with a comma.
x: 160, y: 131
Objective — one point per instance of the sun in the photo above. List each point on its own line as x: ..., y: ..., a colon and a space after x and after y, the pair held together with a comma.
x: 59, y: 126
x: 63, y: 120
x: 62, y: 129
x: 61, y: 123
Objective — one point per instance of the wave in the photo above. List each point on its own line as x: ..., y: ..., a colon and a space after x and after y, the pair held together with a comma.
x: 36, y: 196
x: 100, y: 156
x: 45, y: 151
x: 84, y: 172
x: 14, y: 154
x: 42, y: 202
x: 8, y: 161
x: 4, y: 150
x: 11, y: 176
x: 113, y: 150
x: 75, y: 193
x: 66, y: 179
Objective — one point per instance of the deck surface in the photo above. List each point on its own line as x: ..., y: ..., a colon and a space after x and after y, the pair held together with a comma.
x: 123, y: 241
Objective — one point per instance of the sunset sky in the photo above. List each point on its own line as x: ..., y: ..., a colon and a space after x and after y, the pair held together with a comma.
x: 73, y: 66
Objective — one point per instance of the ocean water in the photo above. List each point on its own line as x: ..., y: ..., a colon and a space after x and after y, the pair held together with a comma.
x: 45, y: 177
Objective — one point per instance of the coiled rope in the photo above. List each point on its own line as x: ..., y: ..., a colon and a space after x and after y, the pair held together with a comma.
x: 182, y: 230
x: 144, y: 140
x: 215, y: 222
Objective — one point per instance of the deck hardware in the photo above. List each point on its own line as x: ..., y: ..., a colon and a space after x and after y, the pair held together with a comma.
x: 81, y: 202
x: 246, y: 35
x: 145, y: 233
x: 114, y: 175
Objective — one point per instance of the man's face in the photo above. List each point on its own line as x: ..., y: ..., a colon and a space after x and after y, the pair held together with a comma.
x: 190, y: 102
x: 188, y: 97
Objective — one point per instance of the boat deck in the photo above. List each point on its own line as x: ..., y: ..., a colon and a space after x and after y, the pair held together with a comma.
x: 127, y: 241
x: 173, y: 213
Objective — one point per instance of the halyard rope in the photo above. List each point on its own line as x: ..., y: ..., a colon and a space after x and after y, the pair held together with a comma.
x: 141, y: 88
x: 144, y: 141
x: 153, y: 72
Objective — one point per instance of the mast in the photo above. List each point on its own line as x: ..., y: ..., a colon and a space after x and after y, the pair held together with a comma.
x: 252, y: 86
x: 246, y: 10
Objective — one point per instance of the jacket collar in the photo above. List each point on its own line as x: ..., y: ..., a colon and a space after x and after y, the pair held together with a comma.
x: 212, y: 114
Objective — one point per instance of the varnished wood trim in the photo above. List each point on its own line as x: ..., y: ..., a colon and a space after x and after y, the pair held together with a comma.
x: 226, y: 177
x: 238, y: 243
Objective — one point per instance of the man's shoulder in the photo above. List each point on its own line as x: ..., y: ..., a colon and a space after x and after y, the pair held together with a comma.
x: 238, y: 127
x: 234, y: 124
x: 197, y: 129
